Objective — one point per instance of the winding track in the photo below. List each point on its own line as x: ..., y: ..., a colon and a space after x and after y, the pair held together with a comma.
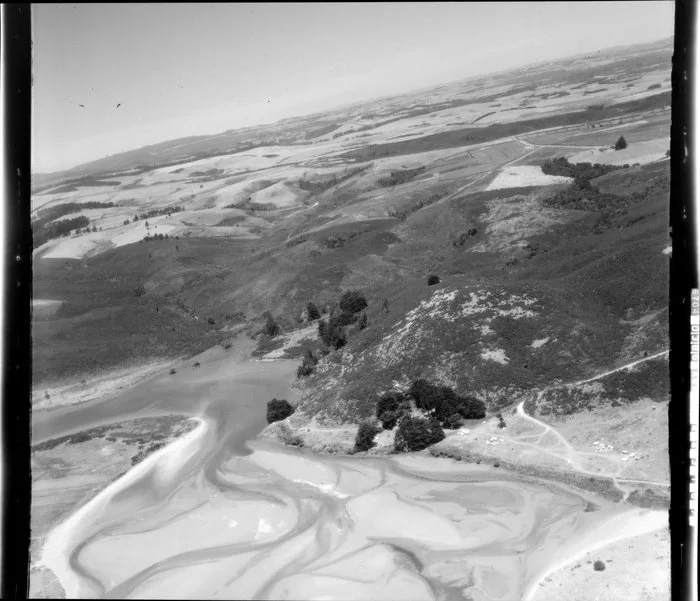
x: 571, y: 453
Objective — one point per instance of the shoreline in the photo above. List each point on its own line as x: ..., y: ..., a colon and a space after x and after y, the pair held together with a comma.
x: 599, y: 485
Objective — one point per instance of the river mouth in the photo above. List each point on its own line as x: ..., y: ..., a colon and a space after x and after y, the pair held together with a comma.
x: 202, y: 521
x: 218, y: 515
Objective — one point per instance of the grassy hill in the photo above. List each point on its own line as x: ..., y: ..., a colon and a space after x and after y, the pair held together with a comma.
x: 581, y: 291
x: 503, y: 324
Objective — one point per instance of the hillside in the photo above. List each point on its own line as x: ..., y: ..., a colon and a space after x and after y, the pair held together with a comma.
x: 544, y: 282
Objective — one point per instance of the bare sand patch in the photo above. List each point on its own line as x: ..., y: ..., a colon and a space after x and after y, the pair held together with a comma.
x: 519, y: 176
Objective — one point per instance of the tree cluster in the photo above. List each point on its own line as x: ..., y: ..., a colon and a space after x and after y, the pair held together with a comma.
x: 55, y: 212
x: 396, y: 178
x: 56, y: 229
x: 332, y: 331
x: 157, y: 212
x: 444, y: 402
x: 277, y: 410
x: 587, y: 171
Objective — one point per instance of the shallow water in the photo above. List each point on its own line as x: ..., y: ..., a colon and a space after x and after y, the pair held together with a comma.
x: 211, y: 518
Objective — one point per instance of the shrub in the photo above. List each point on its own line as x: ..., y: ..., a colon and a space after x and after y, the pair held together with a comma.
x: 501, y: 421
x: 389, y: 419
x: 599, y: 566
x: 352, y: 301
x: 277, y: 410
x: 390, y: 407
x: 304, y: 370
x: 433, y: 279
x: 621, y: 143
x: 331, y: 333
x: 454, y: 422
x: 210, y: 321
x: 365, y: 435
x: 172, y: 371
x: 312, y: 311
x: 139, y: 291
x: 307, y: 365
x: 271, y: 327
x: 362, y: 323
x: 416, y: 434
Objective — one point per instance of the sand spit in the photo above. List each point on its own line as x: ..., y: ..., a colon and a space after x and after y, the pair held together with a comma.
x: 62, y: 540
x: 77, y: 392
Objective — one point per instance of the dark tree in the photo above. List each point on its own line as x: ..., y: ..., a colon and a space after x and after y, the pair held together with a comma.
x: 433, y: 279
x: 389, y: 408
x: 271, y: 328
x: 621, y: 143
x: 365, y: 436
x: 352, y: 301
x: 136, y: 217
x: 416, y: 434
x: 277, y: 410
x: 598, y: 566
x: 312, y: 311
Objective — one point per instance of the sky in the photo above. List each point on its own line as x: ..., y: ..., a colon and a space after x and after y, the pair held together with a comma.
x: 193, y: 69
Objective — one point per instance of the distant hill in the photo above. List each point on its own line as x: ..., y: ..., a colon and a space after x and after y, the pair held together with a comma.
x: 292, y: 130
